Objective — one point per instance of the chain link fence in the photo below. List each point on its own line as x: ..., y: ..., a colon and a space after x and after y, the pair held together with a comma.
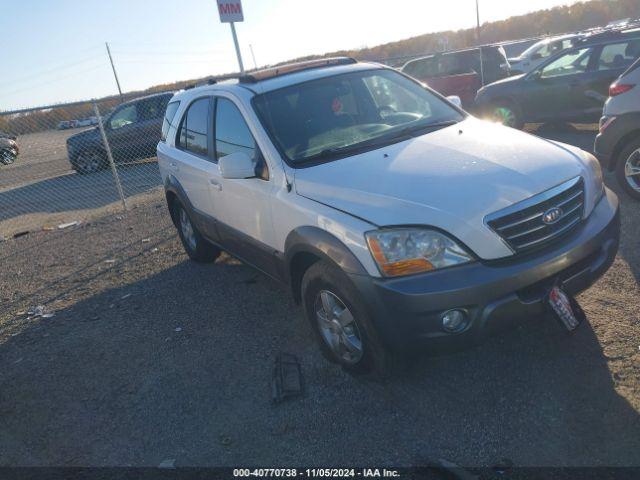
x: 67, y: 163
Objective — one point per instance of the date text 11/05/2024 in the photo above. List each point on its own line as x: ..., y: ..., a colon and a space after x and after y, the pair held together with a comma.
x: 316, y: 472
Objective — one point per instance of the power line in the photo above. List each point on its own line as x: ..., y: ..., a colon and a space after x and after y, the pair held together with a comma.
x: 49, y: 71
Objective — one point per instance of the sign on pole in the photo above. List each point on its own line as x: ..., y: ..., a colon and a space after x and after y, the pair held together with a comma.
x: 230, y: 11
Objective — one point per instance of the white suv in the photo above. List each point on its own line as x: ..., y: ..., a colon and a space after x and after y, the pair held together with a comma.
x: 397, y: 220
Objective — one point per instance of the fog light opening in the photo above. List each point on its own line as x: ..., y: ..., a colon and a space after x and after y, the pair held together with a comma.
x: 454, y: 321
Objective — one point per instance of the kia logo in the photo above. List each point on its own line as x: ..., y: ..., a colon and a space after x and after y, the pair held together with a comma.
x: 552, y: 215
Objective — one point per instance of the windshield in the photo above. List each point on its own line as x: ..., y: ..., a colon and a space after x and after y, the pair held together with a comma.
x: 334, y: 116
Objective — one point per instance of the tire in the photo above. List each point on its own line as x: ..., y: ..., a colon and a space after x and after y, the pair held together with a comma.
x: 88, y: 162
x: 7, y: 158
x: 323, y: 284
x: 507, y: 113
x: 198, y: 249
x: 629, y: 161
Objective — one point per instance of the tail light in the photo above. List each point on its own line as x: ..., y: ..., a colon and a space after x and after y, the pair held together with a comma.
x: 619, y: 88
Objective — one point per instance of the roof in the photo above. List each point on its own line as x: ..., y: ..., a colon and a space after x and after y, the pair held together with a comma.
x: 274, y: 81
x: 153, y: 95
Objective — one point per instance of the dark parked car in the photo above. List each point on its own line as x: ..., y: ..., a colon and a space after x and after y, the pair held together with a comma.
x: 459, y: 73
x: 132, y: 129
x: 571, y: 86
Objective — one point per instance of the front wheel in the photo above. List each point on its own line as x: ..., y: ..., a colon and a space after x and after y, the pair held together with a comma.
x: 89, y: 162
x: 628, y: 169
x: 341, y: 323
x: 507, y: 114
x: 7, y: 157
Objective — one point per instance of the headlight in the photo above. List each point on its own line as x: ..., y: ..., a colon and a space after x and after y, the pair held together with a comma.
x: 597, y: 186
x: 404, y: 251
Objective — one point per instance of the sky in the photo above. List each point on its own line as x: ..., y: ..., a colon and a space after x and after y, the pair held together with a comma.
x: 54, y: 50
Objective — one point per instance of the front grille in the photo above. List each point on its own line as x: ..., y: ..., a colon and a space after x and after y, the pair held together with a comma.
x: 522, y: 225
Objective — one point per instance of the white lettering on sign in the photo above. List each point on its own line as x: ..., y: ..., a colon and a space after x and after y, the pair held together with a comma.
x: 230, y: 11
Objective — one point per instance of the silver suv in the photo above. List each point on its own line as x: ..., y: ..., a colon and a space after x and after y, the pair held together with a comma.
x: 618, y: 143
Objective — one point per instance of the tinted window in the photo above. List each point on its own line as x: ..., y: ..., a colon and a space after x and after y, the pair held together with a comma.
x: 193, y: 131
x: 172, y: 108
x: 619, y: 55
x: 150, y: 109
x: 570, y: 63
x: 125, y: 116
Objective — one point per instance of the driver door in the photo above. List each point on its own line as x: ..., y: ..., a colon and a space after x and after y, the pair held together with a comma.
x: 243, y: 206
x: 122, y: 132
x: 556, y: 90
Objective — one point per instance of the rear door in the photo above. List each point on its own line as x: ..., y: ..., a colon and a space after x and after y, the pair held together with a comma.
x: 611, y: 61
x: 151, y: 112
x: 193, y: 163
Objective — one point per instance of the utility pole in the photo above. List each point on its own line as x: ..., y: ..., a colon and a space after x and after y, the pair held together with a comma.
x: 114, y: 70
x: 253, y: 56
x: 479, y: 42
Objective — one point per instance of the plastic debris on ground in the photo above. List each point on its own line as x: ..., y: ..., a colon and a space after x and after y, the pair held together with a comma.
x: 21, y: 234
x: 125, y: 296
x: 287, y: 378
x: 40, y: 311
x: 168, y: 463
x: 178, y: 329
x: 146, y: 240
x: 62, y: 226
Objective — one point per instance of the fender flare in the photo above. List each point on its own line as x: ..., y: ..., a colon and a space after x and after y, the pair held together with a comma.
x: 173, y: 187
x: 319, y: 243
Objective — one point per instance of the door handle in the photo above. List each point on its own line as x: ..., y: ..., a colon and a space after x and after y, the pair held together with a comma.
x: 215, y: 184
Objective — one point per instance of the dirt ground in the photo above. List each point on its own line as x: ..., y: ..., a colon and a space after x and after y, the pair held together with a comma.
x: 150, y: 357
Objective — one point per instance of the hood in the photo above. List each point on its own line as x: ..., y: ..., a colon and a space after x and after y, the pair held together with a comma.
x: 451, y: 179
x: 504, y: 82
x: 90, y: 134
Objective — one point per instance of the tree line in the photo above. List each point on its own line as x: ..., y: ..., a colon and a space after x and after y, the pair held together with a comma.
x: 562, y: 19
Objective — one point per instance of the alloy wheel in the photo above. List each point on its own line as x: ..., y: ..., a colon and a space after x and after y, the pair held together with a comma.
x: 632, y: 170
x: 89, y: 162
x: 188, y: 232
x: 505, y: 115
x: 338, y: 327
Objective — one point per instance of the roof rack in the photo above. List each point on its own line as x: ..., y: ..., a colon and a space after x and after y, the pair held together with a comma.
x: 278, y: 71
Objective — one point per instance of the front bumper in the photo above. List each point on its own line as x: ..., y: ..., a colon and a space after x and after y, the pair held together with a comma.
x: 495, y: 294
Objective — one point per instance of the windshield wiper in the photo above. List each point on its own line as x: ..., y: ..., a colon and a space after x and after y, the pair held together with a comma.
x: 337, y: 152
x: 423, y: 128
x: 403, y: 134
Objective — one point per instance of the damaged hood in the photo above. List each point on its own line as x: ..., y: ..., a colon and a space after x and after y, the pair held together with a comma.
x: 450, y: 178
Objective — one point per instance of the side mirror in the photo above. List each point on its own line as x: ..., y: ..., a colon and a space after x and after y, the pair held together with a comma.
x: 535, y: 75
x: 237, y: 165
x: 455, y: 99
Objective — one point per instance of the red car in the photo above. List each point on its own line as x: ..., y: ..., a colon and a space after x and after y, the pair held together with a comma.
x: 459, y: 73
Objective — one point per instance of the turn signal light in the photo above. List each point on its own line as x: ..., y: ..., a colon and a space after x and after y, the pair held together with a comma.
x: 619, y: 88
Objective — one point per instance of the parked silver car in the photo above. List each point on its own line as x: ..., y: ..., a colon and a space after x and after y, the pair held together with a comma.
x: 618, y: 143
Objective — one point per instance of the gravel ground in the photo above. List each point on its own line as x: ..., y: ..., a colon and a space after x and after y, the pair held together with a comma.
x: 151, y: 357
